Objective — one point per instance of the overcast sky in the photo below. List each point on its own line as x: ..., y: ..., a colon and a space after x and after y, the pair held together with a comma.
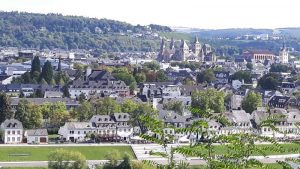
x: 213, y: 14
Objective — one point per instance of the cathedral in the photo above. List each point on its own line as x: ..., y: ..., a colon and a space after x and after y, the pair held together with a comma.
x: 196, y: 52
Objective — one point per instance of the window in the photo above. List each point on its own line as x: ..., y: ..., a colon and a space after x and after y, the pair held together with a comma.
x: 8, y: 132
x: 18, y: 139
x: 13, y: 139
x: 13, y: 132
x: 78, y: 132
x: 8, y: 139
x: 19, y: 132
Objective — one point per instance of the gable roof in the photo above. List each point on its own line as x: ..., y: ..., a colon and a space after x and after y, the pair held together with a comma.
x: 11, y: 124
x: 37, y: 132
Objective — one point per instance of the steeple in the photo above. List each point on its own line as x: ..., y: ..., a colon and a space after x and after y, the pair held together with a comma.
x: 162, y: 45
x: 196, y: 39
x: 59, y: 64
x: 172, y: 44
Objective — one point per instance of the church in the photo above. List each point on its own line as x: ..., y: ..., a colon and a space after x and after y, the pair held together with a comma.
x: 195, y: 52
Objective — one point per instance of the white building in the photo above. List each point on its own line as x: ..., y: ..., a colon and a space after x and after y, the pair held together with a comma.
x: 284, y: 55
x: 12, y: 131
x: 36, y: 136
x: 75, y: 131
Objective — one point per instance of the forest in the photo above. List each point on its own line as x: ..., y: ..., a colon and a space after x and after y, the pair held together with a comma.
x: 49, y: 31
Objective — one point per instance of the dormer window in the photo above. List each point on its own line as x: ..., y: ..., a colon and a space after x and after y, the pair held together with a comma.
x: 119, y: 116
x: 105, y: 119
x: 125, y: 116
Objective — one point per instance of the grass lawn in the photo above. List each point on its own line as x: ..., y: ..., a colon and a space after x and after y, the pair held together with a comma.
x: 287, y: 149
x: 36, y: 153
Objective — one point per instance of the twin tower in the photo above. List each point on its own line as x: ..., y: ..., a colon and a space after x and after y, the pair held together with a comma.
x: 184, y: 52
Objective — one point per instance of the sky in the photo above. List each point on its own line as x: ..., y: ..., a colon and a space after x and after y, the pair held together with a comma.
x: 206, y: 14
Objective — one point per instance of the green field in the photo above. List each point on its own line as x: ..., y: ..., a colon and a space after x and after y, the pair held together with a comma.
x: 38, y: 153
x: 287, y: 149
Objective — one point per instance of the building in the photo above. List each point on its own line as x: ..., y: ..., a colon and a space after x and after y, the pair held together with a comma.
x: 284, y: 54
x: 195, y: 52
x: 98, y: 82
x: 114, y: 127
x: 12, y: 131
x: 75, y: 131
x: 258, y: 55
x: 36, y: 136
x: 287, y: 123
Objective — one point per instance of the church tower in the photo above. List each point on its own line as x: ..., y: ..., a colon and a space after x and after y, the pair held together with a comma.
x: 196, y: 46
x: 183, y: 51
x: 283, y: 54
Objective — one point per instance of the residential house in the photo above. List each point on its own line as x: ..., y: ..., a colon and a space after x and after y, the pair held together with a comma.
x: 112, y: 127
x: 12, y: 131
x: 240, y: 121
x: 36, y: 136
x: 76, y: 131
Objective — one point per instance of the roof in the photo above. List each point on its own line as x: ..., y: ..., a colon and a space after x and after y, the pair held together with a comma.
x: 11, y: 124
x: 98, y: 75
x: 78, y: 125
x: 121, y: 116
x: 237, y: 116
x: 171, y: 117
x: 37, y: 132
x: 103, y: 119
x: 41, y: 101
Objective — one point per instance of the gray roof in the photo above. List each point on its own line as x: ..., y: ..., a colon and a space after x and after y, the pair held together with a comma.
x: 121, y: 116
x: 11, y: 124
x: 238, y: 116
x: 103, y: 119
x: 40, y: 101
x: 171, y: 117
x: 37, y: 132
x: 78, y: 125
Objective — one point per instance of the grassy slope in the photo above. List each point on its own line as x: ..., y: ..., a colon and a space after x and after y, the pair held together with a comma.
x: 41, y: 153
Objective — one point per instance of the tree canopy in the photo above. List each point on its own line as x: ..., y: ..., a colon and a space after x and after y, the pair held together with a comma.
x: 207, y: 76
x: 208, y: 101
x: 251, y: 101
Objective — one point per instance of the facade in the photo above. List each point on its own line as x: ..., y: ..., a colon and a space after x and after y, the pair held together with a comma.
x: 284, y: 55
x: 13, y: 131
x: 36, y: 136
x: 258, y: 55
x: 98, y: 82
x: 195, y: 52
x: 287, y: 125
x: 112, y: 127
x: 75, y: 131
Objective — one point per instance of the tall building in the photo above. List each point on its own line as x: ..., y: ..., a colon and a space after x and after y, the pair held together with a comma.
x: 184, y: 52
x: 284, y: 54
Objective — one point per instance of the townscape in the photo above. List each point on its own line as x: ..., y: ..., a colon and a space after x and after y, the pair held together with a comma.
x: 184, y: 103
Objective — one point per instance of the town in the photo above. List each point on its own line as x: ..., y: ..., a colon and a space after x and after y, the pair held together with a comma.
x: 79, y: 92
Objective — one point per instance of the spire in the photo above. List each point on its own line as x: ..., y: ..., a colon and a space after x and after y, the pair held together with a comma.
x: 172, y: 45
x: 196, y: 39
x: 162, y: 45
x: 59, y: 64
x: 183, y: 44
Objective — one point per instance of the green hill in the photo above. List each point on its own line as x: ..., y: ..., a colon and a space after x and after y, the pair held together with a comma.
x: 29, y: 30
